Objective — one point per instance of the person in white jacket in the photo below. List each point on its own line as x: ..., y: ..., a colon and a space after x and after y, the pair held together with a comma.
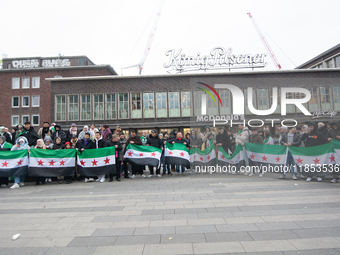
x: 241, y: 138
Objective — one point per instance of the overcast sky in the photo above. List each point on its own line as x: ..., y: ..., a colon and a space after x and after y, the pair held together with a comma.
x: 107, y: 31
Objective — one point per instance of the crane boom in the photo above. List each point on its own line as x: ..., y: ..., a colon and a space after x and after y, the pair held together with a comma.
x: 265, y: 43
x: 150, y: 39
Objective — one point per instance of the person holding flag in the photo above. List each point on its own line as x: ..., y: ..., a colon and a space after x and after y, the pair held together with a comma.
x: 114, y: 142
x: 180, y: 139
x: 223, y: 140
x: 4, y: 146
x: 241, y: 138
x: 154, y: 141
x: 267, y: 138
x: 85, y: 144
x: 135, y: 139
x: 100, y: 143
x: 21, y: 144
x: 208, y: 137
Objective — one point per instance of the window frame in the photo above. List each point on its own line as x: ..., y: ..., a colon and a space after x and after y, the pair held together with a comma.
x: 55, y: 107
x: 154, y: 109
x: 115, y: 103
x: 93, y: 105
x: 128, y: 109
x: 22, y: 102
x: 181, y: 97
x: 22, y: 82
x: 22, y: 118
x: 166, y: 103
x: 141, y: 104
x: 18, y: 116
x: 81, y: 106
x: 68, y: 107
x: 36, y: 78
x: 18, y: 102
x: 18, y: 79
x: 38, y: 102
x: 33, y: 115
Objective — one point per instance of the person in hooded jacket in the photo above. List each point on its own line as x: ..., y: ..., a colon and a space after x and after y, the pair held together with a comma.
x: 194, y: 140
x: 83, y: 132
x: 85, y: 144
x: 223, y: 139
x: 334, y: 133
x: 123, y: 163
x: 48, y: 142
x: 73, y: 131
x: 322, y: 128
x: 134, y: 139
x: 105, y: 132
x: 208, y: 137
x: 100, y: 143
x: 59, y: 133
x: 20, y: 144
x: 30, y: 134
x: 58, y: 145
x: 4, y: 146
x: 45, y: 130
x: 313, y: 138
x: 114, y: 142
x: 154, y: 141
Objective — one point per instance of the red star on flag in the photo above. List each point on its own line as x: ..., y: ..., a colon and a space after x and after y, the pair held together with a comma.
x: 208, y: 157
x: 19, y: 162
x: 278, y: 159
x: 62, y: 162
x: 252, y: 156
x: 141, y: 154
x: 332, y: 158
x: 231, y: 161
x: 51, y: 162
x: 317, y: 161
x: 82, y: 162
x: 264, y: 158
x: 40, y: 163
x: 170, y: 153
x: 4, y: 164
x: 153, y: 154
x: 107, y: 160
x: 130, y: 153
x: 194, y: 157
x: 182, y: 154
x: 94, y: 162
x: 222, y: 157
x: 299, y: 160
x: 201, y: 158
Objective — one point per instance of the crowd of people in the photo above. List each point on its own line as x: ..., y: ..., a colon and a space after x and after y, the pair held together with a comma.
x: 53, y: 137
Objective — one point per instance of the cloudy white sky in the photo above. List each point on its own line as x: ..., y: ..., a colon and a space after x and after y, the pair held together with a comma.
x: 107, y: 31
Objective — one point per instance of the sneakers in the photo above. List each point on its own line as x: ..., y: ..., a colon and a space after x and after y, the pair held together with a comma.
x: 332, y: 181
x: 99, y: 179
x: 251, y: 174
x: 260, y: 175
x: 48, y: 180
x: 4, y: 185
x: 150, y: 176
x: 309, y: 179
x: 133, y: 176
x: 245, y: 173
x: 319, y: 179
x: 282, y: 176
x: 294, y: 177
x: 143, y: 176
x: 15, y: 186
x: 91, y: 180
x: 21, y: 184
x: 158, y: 175
x: 102, y: 179
x: 86, y: 180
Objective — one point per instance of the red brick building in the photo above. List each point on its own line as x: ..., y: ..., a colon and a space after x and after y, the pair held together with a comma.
x: 26, y: 94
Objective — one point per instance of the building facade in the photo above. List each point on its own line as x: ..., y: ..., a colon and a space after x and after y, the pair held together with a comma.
x: 165, y: 102
x: 26, y: 93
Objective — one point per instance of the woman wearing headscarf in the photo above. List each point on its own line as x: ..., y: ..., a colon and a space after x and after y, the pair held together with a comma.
x: 72, y: 131
x: 41, y: 145
x: 208, y: 137
x: 82, y: 133
x: 21, y: 144
x: 105, y: 132
x: 4, y: 146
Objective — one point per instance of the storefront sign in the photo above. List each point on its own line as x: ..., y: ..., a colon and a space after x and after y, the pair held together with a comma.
x: 327, y: 113
x: 35, y: 63
x: 218, y: 59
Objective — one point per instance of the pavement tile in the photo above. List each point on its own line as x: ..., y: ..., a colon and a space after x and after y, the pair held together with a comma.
x: 313, y: 252
x: 277, y: 225
x: 70, y: 250
x: 92, y: 241
x: 113, y: 231
x: 140, y: 239
x: 196, y: 229
x: 317, y: 232
x: 208, y: 221
x: 265, y: 246
x: 26, y: 251
x: 178, y: 238
x: 217, y: 248
x: 237, y: 227
x: 48, y: 242
x: 315, y: 243
x: 273, y: 235
x: 160, y: 249
x: 228, y: 237
x: 168, y: 223
x: 154, y: 231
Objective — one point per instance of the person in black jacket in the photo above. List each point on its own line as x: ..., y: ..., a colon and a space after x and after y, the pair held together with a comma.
x: 194, y: 140
x: 30, y: 134
x: 134, y: 139
x: 100, y: 143
x: 4, y: 146
x: 59, y: 133
x: 223, y: 139
x: 180, y: 139
x: 114, y: 142
x: 85, y: 144
x: 313, y: 138
x: 166, y: 167
x: 154, y: 141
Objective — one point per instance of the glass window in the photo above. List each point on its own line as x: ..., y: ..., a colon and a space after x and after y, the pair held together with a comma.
x: 15, y: 120
x: 174, y: 104
x: 300, y: 95
x: 186, y: 103
x: 337, y: 61
x: 197, y: 102
x: 246, y: 100
x: 123, y: 105
x: 212, y: 108
x: 262, y: 99
x: 98, y: 107
x: 325, y: 98
x: 314, y: 101
x: 329, y: 63
x: 35, y: 101
x: 161, y: 108
x: 15, y: 101
x: 15, y: 83
x: 35, y: 120
x: 35, y: 82
x: 25, y: 118
x: 73, y: 107
x: 290, y: 107
x: 149, y: 111
x: 111, y: 110
x: 336, y: 97
x: 136, y: 105
x: 25, y: 101
x: 85, y: 107
x: 60, y: 108
x: 278, y: 107
x: 25, y: 82
x: 225, y: 98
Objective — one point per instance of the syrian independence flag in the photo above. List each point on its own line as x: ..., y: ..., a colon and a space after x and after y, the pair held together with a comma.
x: 13, y: 163
x: 206, y: 157
x: 235, y: 161
x: 95, y: 162
x: 143, y: 155
x: 336, y: 147
x: 177, y: 154
x: 52, y: 163
x: 316, y: 160
x: 269, y: 158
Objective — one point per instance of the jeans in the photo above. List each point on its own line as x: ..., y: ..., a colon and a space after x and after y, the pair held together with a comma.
x: 178, y: 167
x: 291, y: 164
x: 19, y: 179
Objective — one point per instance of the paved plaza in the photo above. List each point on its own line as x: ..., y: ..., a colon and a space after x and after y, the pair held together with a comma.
x: 192, y: 214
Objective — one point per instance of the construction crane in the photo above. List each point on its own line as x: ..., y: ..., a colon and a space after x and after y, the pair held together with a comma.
x: 150, y: 40
x: 265, y: 43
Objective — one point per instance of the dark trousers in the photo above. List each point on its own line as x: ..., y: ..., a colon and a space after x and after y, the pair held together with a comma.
x: 117, y: 168
x: 4, y: 180
x: 137, y: 169
x: 158, y: 170
x: 124, y: 169
x: 38, y: 179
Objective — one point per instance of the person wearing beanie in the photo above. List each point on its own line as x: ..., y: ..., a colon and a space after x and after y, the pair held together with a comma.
x: 72, y: 131
x: 48, y: 142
